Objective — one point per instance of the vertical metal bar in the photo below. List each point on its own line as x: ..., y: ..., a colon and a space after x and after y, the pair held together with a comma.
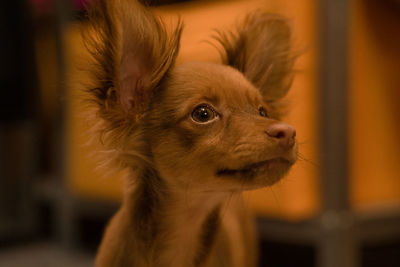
x: 337, y: 245
x: 64, y: 211
x: 334, y: 103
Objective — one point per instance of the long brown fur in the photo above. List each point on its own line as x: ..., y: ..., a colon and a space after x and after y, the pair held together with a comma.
x: 182, y: 204
x: 111, y: 27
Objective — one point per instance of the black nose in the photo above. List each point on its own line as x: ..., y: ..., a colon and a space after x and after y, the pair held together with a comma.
x: 284, y: 132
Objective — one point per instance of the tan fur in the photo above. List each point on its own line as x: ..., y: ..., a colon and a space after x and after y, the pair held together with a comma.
x: 182, y: 204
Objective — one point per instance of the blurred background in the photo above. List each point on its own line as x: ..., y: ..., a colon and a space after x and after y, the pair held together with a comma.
x: 340, y: 205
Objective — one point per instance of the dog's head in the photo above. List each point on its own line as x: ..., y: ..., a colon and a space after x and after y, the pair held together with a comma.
x: 211, y: 126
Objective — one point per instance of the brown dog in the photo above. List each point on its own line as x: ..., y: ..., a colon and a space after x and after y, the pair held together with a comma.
x: 192, y: 137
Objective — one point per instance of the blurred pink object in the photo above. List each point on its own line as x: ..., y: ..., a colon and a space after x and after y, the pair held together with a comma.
x: 80, y: 4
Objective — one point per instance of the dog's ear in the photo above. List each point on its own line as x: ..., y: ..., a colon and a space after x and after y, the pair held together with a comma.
x: 132, y: 52
x: 260, y: 48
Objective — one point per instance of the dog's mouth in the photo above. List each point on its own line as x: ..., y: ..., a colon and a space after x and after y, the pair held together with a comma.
x: 272, y: 165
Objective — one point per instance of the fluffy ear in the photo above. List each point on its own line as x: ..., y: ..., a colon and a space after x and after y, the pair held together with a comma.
x: 261, y: 49
x: 132, y: 52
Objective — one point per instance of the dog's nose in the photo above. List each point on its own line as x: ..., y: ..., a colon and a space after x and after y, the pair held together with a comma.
x: 284, y: 132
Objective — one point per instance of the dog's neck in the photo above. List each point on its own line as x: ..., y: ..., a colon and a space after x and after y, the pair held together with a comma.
x: 178, y: 226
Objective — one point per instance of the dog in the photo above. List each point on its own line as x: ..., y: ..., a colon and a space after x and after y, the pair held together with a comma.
x: 191, y: 137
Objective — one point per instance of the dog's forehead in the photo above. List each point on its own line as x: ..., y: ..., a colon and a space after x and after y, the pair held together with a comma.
x: 212, y: 81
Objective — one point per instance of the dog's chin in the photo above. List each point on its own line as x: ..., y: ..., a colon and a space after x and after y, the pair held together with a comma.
x: 260, y: 174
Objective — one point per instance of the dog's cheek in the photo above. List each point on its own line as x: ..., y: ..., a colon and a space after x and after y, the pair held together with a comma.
x: 174, y: 153
x: 187, y: 138
x: 168, y: 157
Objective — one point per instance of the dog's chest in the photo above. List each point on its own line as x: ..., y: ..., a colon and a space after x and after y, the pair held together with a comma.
x: 218, y: 239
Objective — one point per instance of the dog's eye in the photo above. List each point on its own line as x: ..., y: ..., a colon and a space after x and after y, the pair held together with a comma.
x: 263, y: 112
x: 203, y: 114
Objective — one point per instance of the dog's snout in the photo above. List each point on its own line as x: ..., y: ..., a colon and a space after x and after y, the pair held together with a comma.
x: 284, y: 132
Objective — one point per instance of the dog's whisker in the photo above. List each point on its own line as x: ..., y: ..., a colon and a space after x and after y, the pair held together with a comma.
x: 305, y: 159
x: 275, y: 198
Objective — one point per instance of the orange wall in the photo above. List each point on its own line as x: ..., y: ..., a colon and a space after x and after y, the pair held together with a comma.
x: 374, y: 104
